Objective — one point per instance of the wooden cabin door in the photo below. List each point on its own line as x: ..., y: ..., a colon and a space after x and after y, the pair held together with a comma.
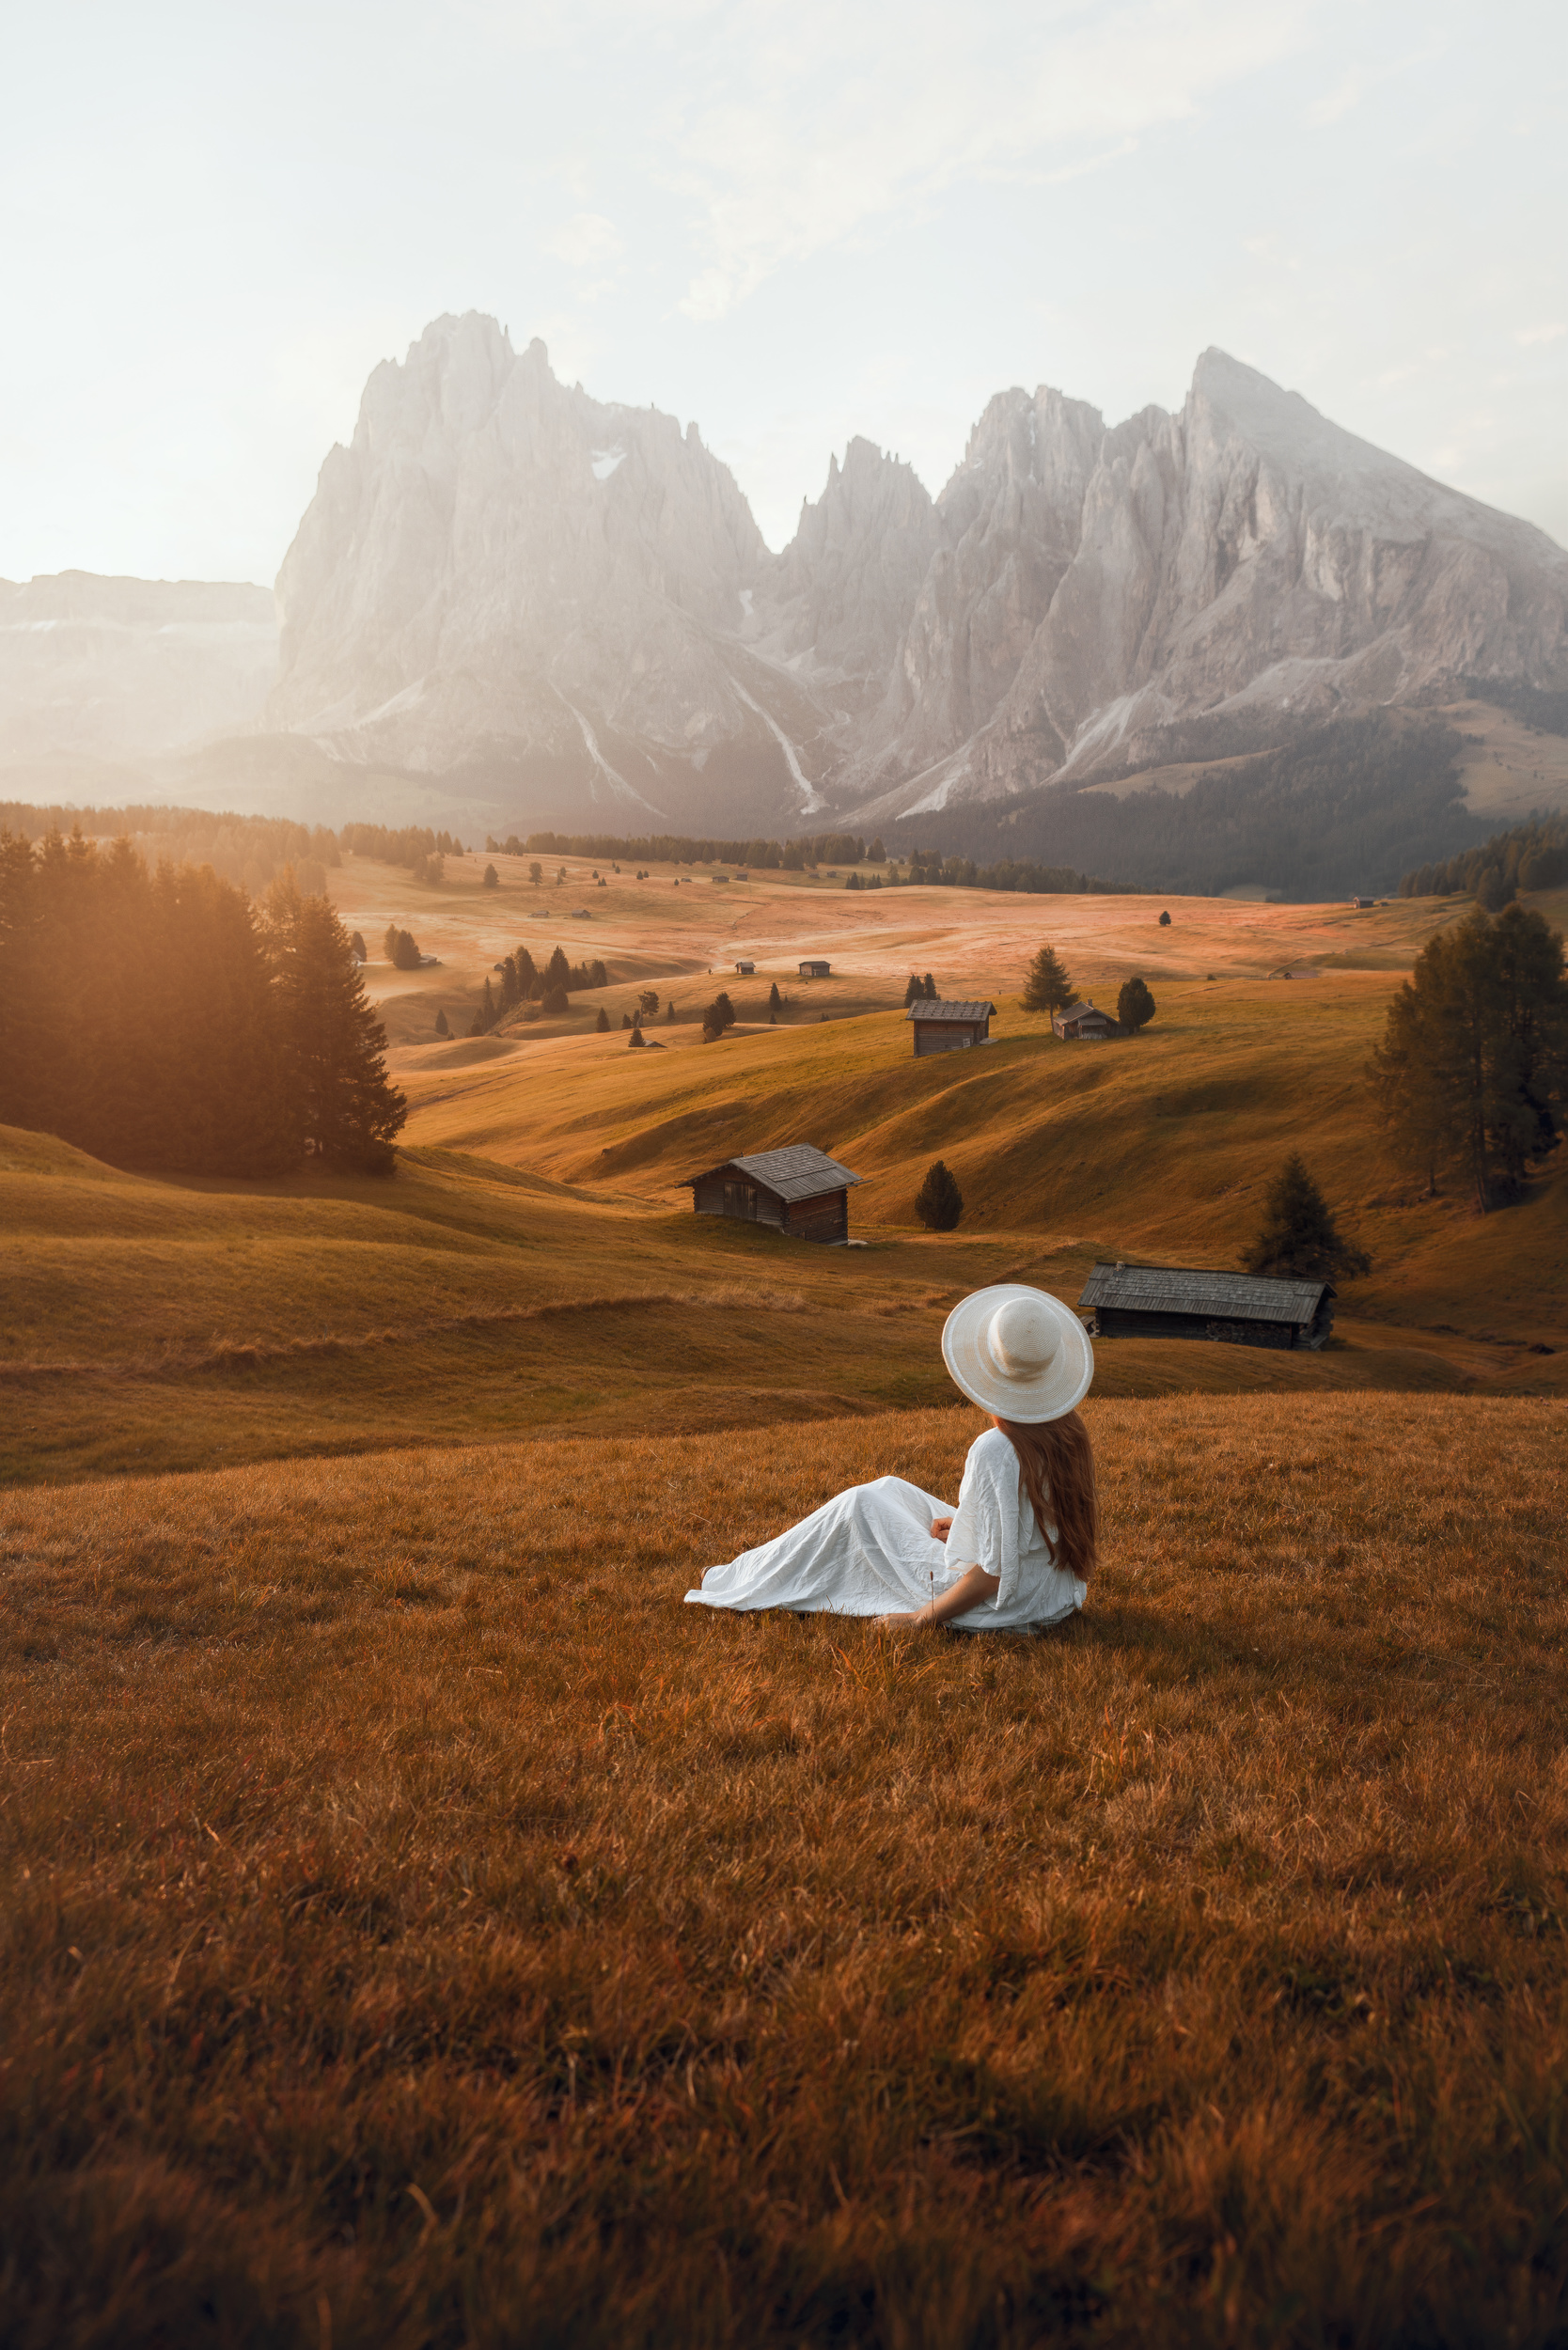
x: 741, y: 1200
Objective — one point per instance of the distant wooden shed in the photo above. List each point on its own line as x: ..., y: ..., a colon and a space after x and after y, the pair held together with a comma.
x: 812, y: 968
x: 746, y: 968
x: 798, y: 1190
x: 1082, y: 1024
x: 1186, y: 1302
x: 945, y: 1028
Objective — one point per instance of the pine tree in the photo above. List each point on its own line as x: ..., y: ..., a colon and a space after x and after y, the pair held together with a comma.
x: 487, y: 1010
x: 1047, y: 985
x: 774, y: 1000
x: 1298, y: 1235
x: 441, y: 1028
x: 929, y: 989
x: 719, y: 1015
x: 557, y: 971
x: 358, y: 945
x: 601, y: 1022
x: 492, y: 878
x: 914, y: 993
x: 939, y: 1203
x: 1135, y: 1006
x: 1474, y: 1055
x: 557, y: 1000
x: 637, y: 1036
x: 1165, y: 921
x: 337, y: 1096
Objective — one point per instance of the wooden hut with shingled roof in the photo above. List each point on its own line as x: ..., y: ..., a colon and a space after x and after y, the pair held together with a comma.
x: 798, y: 1190
x: 1154, y: 1301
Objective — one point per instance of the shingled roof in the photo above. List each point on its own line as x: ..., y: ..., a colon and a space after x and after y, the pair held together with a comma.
x: 799, y: 1171
x: 1154, y: 1288
x: 927, y: 1010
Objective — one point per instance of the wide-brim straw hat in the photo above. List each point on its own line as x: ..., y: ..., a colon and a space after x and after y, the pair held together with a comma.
x: 1018, y: 1351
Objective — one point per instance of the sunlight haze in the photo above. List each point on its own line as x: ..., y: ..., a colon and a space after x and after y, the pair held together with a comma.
x: 791, y: 225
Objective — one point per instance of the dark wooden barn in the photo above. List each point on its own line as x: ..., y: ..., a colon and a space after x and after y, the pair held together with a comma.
x: 1180, y: 1302
x: 798, y: 1190
x: 814, y: 967
x: 1082, y: 1022
x: 947, y: 1028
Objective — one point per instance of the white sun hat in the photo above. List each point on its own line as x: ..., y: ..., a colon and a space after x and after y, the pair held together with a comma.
x: 1018, y: 1351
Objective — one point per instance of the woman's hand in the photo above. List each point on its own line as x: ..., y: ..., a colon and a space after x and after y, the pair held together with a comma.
x: 941, y: 1528
x: 973, y: 1586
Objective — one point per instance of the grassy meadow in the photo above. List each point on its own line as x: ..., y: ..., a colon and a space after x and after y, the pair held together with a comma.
x: 418, y: 1928
x: 534, y: 1265
x: 421, y: 1930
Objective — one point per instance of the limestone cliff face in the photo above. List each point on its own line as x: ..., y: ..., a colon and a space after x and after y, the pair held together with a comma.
x: 498, y: 567
x: 1010, y: 518
x: 838, y: 599
x: 502, y: 574
x: 1243, y: 557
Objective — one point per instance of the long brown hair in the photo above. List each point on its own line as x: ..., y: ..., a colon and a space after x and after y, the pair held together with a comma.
x: 1056, y: 1461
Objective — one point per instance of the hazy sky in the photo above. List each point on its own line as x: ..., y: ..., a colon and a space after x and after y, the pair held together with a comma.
x: 794, y: 223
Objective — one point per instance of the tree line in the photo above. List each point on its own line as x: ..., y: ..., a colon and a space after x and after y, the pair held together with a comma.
x: 670, y: 848
x: 1470, y: 1073
x: 523, y: 982
x: 1528, y: 857
x: 160, y: 1020
x: 249, y: 851
x: 928, y: 866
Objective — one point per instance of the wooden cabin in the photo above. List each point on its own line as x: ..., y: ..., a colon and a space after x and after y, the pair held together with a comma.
x: 1082, y: 1023
x: 799, y: 1190
x: 947, y: 1028
x: 1150, y: 1301
x: 814, y: 969
x: 745, y: 969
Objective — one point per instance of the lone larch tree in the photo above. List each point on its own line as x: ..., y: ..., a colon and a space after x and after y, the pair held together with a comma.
x: 1047, y: 985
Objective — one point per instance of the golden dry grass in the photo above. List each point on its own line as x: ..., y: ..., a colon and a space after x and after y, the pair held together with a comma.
x: 147, y: 1326
x: 419, y: 1929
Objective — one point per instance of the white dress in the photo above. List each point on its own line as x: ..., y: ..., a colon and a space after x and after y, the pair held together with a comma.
x: 871, y: 1552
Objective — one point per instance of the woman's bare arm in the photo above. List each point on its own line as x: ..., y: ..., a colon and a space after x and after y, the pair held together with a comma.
x: 973, y: 1586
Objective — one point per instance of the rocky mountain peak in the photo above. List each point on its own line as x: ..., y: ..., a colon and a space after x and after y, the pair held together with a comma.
x: 839, y: 596
x: 500, y: 567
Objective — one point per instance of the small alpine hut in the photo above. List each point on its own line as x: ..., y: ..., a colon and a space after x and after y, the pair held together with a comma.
x: 947, y: 1028
x: 1082, y: 1022
x: 746, y: 969
x: 1151, y: 1301
x: 814, y: 968
x: 798, y: 1190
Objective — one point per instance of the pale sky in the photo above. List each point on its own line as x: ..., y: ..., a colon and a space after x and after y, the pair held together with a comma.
x: 791, y: 223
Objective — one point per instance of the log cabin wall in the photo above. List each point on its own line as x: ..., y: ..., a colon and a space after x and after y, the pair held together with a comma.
x: 823, y: 1218
x: 739, y: 1196
x: 943, y: 1035
x: 1121, y: 1322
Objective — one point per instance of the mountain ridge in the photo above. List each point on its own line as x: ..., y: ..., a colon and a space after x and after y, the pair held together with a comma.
x: 508, y: 594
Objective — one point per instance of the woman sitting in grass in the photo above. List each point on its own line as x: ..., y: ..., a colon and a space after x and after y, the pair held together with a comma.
x: 1017, y: 1551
